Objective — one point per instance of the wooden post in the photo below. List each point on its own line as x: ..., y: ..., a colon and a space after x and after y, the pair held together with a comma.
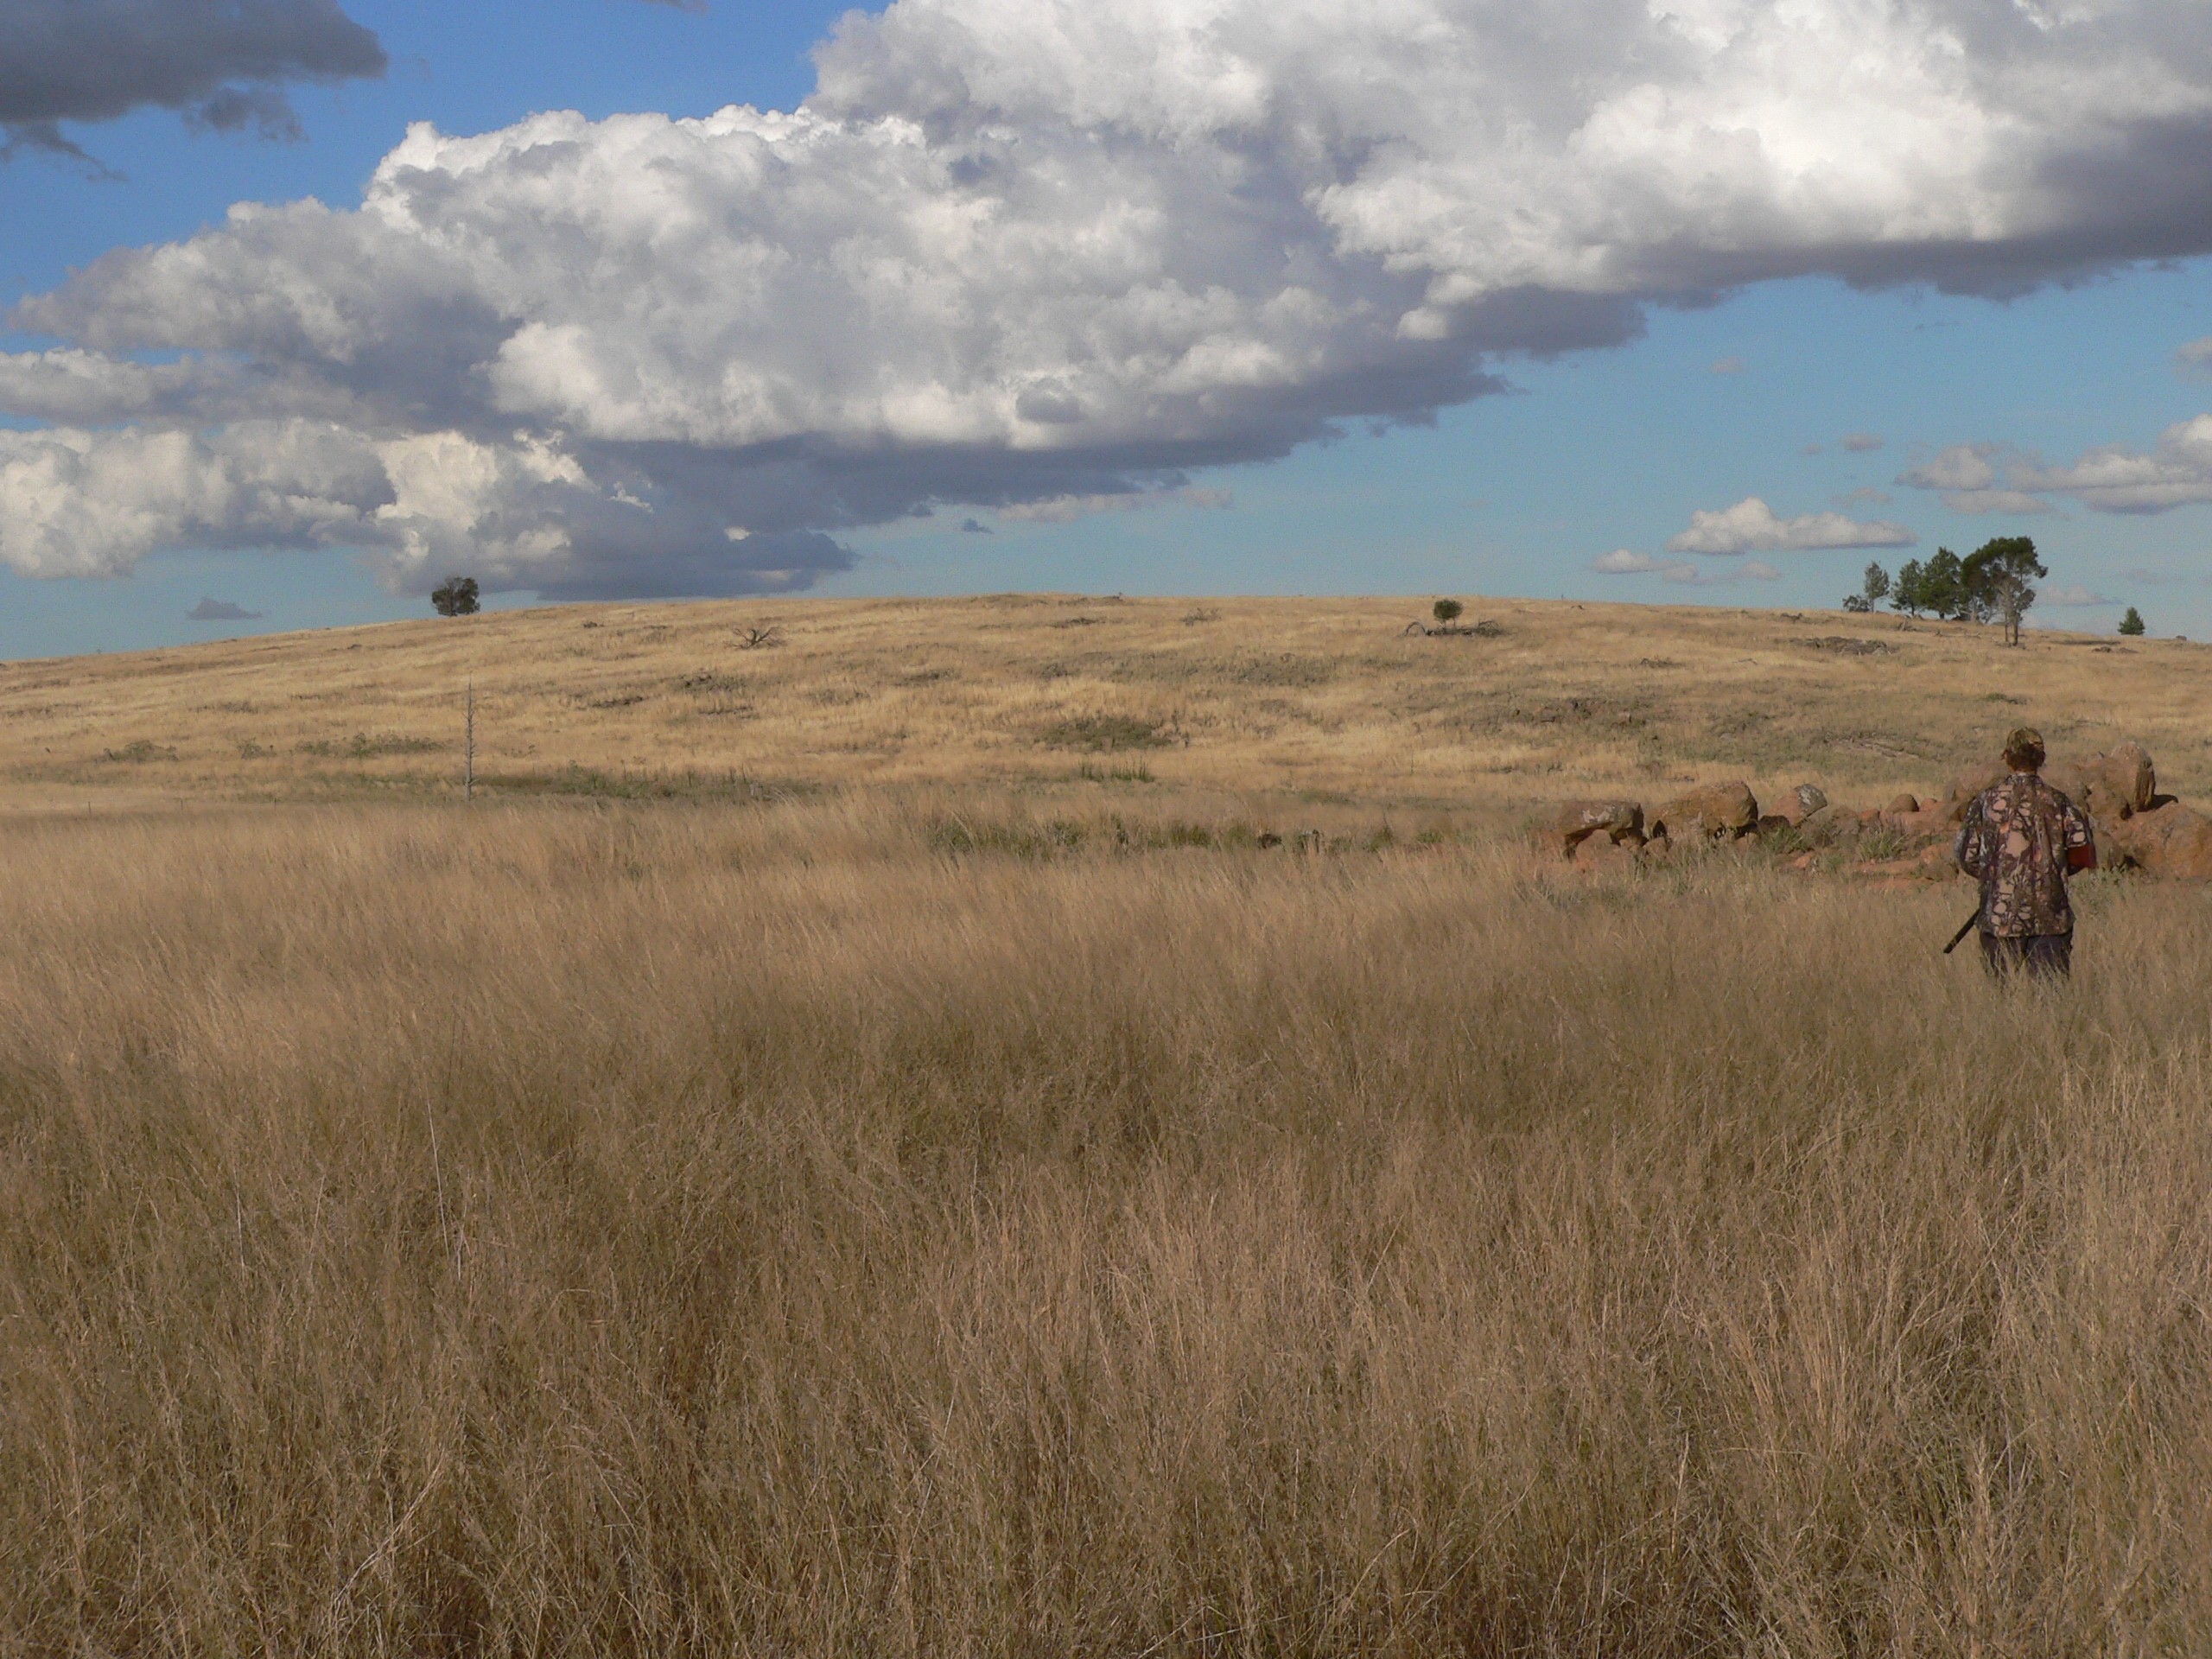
x: 469, y: 773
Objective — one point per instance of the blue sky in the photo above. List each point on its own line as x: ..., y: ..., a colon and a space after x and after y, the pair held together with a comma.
x: 1611, y: 446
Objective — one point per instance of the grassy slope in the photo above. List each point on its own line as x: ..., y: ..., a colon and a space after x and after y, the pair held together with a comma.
x: 798, y: 1230
x: 1254, y: 696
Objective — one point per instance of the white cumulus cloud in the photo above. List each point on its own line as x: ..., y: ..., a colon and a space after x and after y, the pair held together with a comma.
x: 2176, y: 471
x: 2072, y: 595
x: 1623, y: 561
x: 1017, y: 252
x: 1066, y: 509
x: 1968, y: 477
x: 1751, y: 526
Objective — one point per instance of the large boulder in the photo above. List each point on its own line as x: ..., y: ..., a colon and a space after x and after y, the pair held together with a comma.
x: 1830, y: 826
x: 2171, y: 840
x: 1797, y: 805
x: 1613, y: 822
x: 2111, y: 787
x: 2114, y: 785
x: 1713, y: 809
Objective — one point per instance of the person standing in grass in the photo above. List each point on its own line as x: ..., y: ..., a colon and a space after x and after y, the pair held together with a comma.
x: 2021, y: 840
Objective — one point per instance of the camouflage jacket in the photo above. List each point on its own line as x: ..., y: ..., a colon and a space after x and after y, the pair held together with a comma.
x: 2014, y: 841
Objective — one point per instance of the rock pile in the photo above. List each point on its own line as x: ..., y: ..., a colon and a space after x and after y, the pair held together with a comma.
x: 1715, y: 811
x: 2137, y: 828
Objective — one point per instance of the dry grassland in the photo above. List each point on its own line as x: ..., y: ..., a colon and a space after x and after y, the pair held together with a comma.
x: 1263, y: 699
x: 1014, y: 1217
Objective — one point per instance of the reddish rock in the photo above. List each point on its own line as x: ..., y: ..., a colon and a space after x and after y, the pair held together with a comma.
x: 1931, y: 823
x: 2112, y: 786
x: 1965, y: 786
x: 2118, y: 783
x: 1829, y: 825
x: 1904, y: 806
x: 1713, y: 809
x: 1612, y: 822
x: 1799, y: 803
x: 2071, y: 779
x: 2171, y: 842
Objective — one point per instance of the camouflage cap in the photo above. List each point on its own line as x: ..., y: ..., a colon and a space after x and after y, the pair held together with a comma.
x: 2025, y: 743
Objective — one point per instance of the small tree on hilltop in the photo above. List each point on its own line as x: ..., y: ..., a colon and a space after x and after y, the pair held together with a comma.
x: 1447, y: 611
x: 2131, y: 623
x: 1874, y: 588
x: 1999, y: 580
x: 1908, y: 595
x: 456, y: 596
x: 1943, y: 587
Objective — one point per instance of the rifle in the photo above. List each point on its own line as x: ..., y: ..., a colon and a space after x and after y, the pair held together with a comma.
x: 1973, y: 812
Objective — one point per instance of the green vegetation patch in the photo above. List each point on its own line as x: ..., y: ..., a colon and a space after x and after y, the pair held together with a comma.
x: 368, y: 746
x: 139, y: 751
x: 708, y: 682
x: 1132, y: 772
x: 1105, y: 732
x: 1046, y: 838
x: 642, y: 786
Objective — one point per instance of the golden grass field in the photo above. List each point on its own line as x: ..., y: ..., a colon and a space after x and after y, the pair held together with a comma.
x: 889, y: 1211
x: 1266, y: 700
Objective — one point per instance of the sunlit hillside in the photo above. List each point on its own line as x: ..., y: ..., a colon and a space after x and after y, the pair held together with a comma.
x: 984, y: 1196
x: 1329, y: 698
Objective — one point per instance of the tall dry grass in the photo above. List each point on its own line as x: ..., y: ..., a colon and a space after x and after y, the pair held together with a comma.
x: 1267, y: 698
x: 611, y: 1231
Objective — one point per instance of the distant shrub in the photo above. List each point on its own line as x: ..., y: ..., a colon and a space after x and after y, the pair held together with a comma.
x: 140, y: 750
x: 2131, y: 623
x: 1033, y: 840
x: 1105, y: 732
x: 456, y: 596
x: 1447, y: 610
x: 1283, y: 668
x: 367, y: 746
x: 760, y: 638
